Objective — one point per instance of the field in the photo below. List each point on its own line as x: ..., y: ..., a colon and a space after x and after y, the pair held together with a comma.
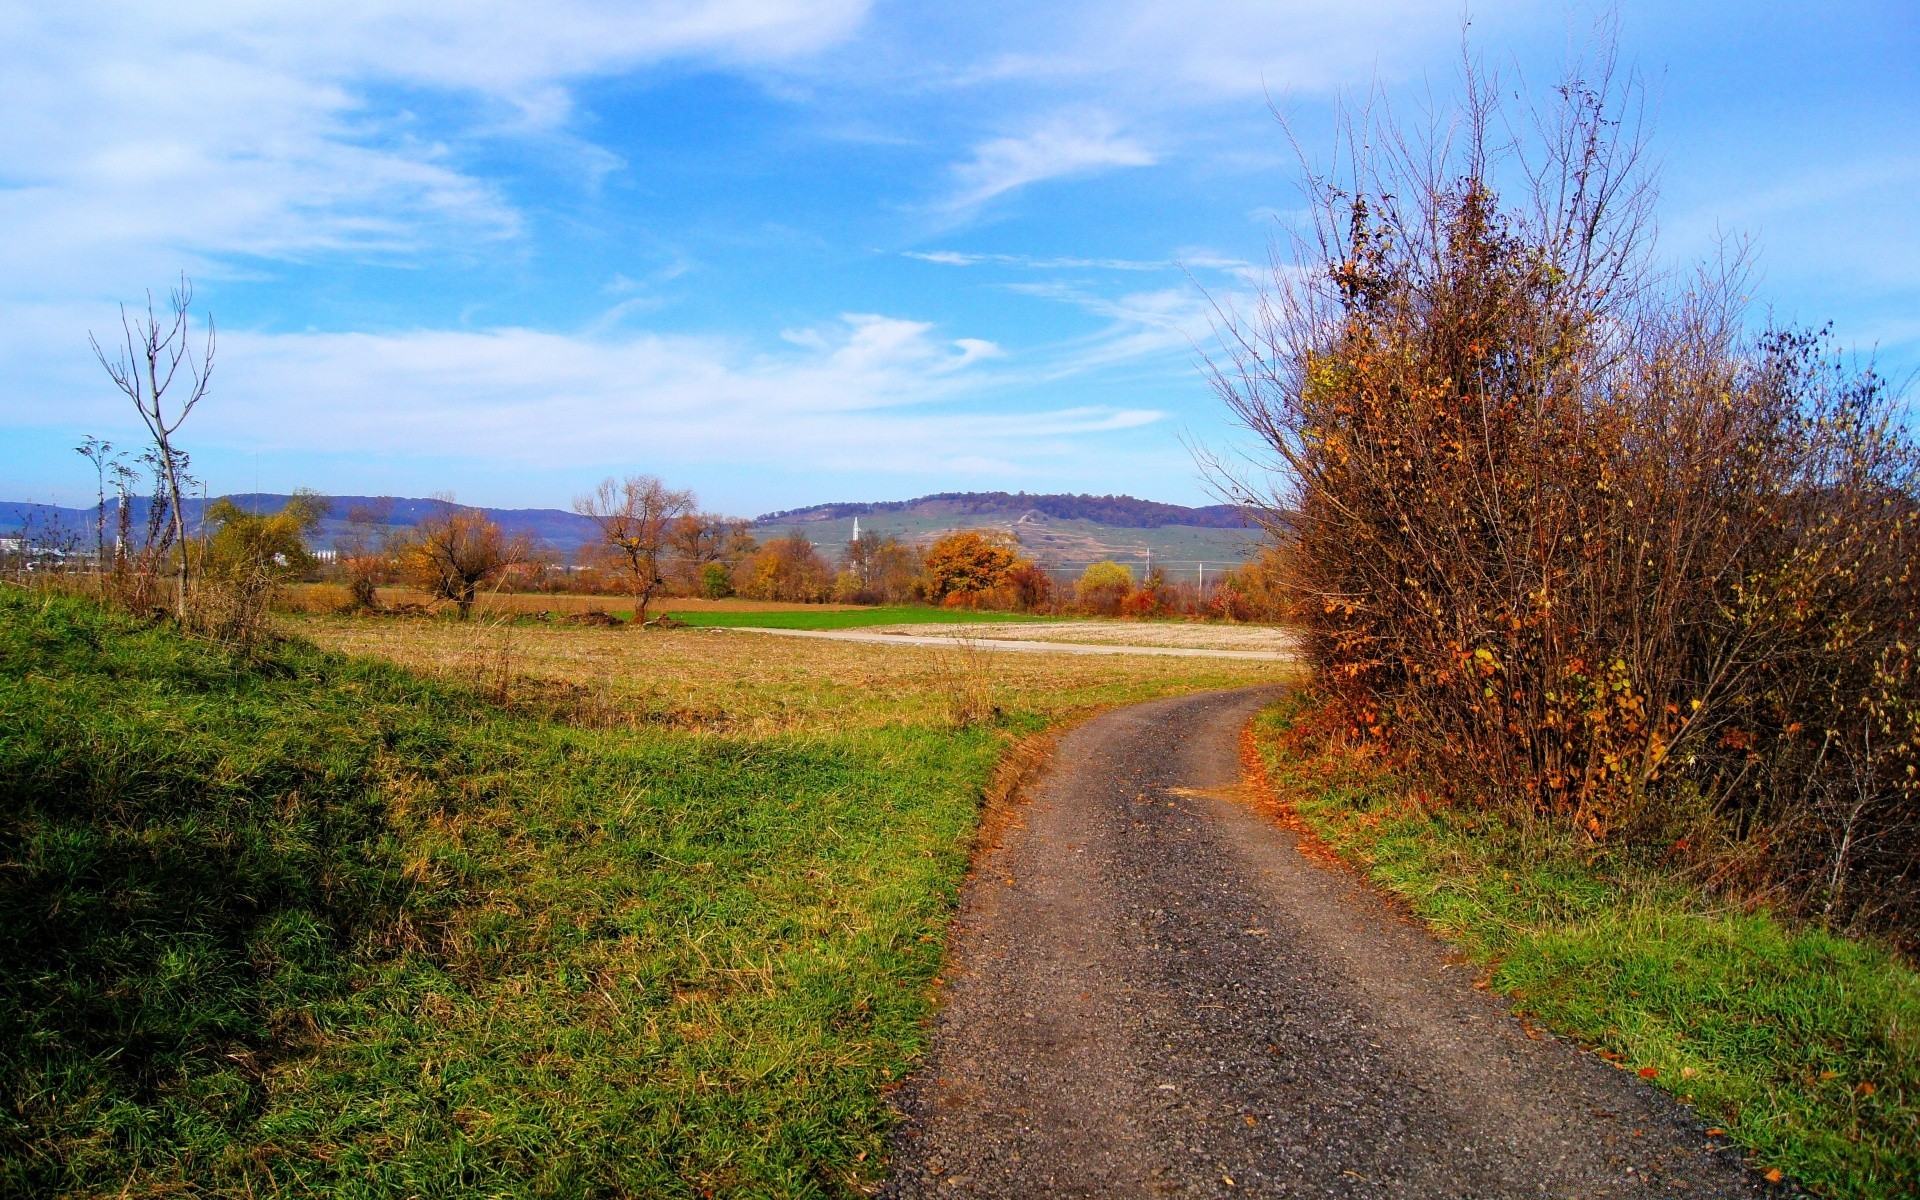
x: 843, y: 618
x: 554, y: 912
x: 1803, y: 1045
x: 328, y: 597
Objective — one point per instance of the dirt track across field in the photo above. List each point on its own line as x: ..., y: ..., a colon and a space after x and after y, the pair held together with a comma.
x: 1016, y: 645
x: 1155, y: 993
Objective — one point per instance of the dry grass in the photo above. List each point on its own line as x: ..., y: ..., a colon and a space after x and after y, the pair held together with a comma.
x: 757, y: 686
x: 317, y: 598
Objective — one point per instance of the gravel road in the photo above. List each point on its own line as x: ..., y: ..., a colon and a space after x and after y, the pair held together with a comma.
x: 1154, y: 993
x: 1016, y: 645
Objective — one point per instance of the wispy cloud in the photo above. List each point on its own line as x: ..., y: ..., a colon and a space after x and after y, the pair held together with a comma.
x: 1066, y: 144
x: 954, y: 258
x: 864, y: 392
x: 141, y: 138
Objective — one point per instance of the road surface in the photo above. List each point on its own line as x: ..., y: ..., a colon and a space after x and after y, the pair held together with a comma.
x: 1154, y: 993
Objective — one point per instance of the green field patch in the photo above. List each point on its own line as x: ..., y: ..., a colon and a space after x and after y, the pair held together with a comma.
x: 854, y: 618
x: 1802, y: 1044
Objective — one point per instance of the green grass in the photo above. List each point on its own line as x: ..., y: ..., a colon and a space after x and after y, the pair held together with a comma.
x: 1803, y: 1045
x: 312, y: 924
x: 317, y: 925
x: 849, y: 618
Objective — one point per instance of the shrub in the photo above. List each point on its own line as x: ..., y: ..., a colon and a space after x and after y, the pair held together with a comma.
x: 716, y: 582
x: 1560, y: 527
x: 1104, y: 587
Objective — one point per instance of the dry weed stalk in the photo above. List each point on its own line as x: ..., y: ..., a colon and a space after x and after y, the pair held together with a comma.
x: 966, y: 678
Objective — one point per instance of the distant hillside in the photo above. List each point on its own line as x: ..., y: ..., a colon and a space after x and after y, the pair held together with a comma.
x: 1121, y: 512
x: 1058, y: 530
x: 556, y: 527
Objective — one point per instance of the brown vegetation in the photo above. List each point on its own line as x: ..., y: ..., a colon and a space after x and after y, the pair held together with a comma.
x: 638, y: 519
x: 449, y: 556
x: 1567, y: 533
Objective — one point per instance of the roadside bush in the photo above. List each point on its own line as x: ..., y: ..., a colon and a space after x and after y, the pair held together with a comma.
x: 716, y: 582
x: 1561, y: 528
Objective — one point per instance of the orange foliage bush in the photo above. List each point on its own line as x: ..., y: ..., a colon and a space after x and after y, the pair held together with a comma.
x: 1564, y: 530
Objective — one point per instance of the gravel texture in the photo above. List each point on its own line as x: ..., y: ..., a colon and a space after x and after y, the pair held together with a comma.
x: 1016, y: 645
x: 1154, y: 993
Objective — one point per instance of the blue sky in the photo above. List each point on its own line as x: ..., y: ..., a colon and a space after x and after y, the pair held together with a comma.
x: 786, y: 251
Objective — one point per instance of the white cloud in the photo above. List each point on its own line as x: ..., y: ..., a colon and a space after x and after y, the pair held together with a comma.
x: 866, y: 392
x: 143, y: 137
x: 1067, y: 144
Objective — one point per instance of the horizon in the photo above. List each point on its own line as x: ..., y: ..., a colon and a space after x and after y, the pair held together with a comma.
x: 796, y: 248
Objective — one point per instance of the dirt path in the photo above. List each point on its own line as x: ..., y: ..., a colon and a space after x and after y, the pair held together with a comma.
x: 1156, y: 994
x: 1010, y: 644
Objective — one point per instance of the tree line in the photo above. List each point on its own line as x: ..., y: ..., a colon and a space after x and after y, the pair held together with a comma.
x: 653, y: 541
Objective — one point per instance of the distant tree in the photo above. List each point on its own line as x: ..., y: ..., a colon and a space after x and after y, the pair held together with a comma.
x: 366, y: 551
x: 1029, y: 586
x: 449, y: 555
x: 966, y: 563
x: 1104, y: 587
x: 716, y: 582
x: 699, y: 539
x: 636, y: 519
x: 145, y: 368
x: 882, y: 569
x: 787, y: 568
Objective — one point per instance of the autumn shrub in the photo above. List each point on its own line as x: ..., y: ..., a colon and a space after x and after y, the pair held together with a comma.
x: 1567, y: 532
x: 245, y: 562
x: 1103, y: 588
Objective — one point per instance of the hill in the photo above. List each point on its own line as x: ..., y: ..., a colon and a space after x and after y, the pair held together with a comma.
x: 1058, y: 530
x: 1121, y: 512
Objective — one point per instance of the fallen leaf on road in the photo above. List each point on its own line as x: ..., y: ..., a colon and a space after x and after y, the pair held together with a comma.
x: 1772, y: 1176
x: 1649, y: 1072
x: 1248, y: 1120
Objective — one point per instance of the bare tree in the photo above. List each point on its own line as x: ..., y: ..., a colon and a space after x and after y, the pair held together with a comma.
x: 145, y: 368
x: 636, y: 519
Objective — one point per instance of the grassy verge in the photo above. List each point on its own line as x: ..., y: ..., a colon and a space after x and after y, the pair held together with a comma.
x: 321, y: 925
x: 1804, y: 1046
x: 853, y: 618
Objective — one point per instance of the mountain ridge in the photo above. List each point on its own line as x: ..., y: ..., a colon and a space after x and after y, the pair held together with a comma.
x: 1123, y: 512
